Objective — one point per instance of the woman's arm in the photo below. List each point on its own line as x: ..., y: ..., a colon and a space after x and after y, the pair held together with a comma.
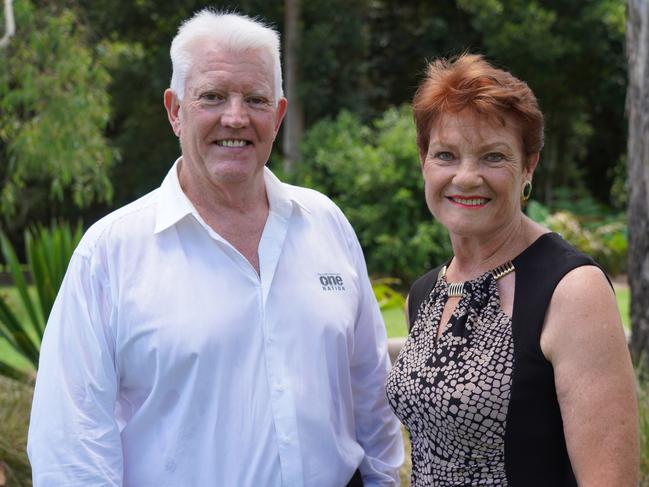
x: 584, y: 339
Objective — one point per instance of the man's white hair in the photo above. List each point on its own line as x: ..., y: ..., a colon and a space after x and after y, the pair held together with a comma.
x: 226, y: 30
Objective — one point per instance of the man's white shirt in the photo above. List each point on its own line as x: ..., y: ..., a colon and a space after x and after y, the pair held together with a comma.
x: 168, y: 361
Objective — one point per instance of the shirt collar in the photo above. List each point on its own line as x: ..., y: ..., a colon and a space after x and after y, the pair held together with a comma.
x: 174, y: 205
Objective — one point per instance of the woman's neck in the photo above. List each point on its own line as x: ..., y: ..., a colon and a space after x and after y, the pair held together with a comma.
x: 476, y: 255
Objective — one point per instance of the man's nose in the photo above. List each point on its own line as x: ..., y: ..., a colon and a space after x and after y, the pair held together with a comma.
x: 235, y: 114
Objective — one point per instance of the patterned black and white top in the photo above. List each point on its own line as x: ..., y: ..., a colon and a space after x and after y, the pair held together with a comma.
x: 480, y: 402
x: 452, y: 393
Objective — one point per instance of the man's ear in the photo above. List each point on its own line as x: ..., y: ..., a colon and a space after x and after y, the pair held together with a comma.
x: 172, y: 105
x: 280, y: 112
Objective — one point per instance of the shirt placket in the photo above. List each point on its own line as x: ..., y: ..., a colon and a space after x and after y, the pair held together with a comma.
x: 282, y: 399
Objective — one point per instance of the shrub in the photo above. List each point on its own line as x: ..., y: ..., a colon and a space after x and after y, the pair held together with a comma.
x: 48, y: 254
x: 602, y: 237
x: 372, y: 172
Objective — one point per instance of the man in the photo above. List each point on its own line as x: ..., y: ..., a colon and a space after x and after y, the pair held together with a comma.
x: 220, y: 331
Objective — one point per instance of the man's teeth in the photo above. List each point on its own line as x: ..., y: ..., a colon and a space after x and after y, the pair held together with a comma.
x: 471, y: 201
x: 231, y: 143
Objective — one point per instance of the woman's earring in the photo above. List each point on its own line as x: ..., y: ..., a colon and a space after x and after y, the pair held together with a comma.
x: 526, y: 191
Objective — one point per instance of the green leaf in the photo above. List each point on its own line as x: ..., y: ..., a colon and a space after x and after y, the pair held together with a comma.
x: 16, y: 334
x: 48, y: 253
x: 19, y: 280
x: 14, y: 373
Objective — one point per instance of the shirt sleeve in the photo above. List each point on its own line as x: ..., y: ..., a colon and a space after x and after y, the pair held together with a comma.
x: 73, y: 437
x: 377, y: 428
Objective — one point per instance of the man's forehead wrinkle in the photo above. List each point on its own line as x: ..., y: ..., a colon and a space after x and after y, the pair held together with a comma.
x: 218, y: 72
x: 222, y: 78
x: 225, y: 79
x: 204, y: 55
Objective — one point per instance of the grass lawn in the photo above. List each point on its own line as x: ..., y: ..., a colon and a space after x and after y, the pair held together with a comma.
x: 395, y: 322
x: 623, y: 302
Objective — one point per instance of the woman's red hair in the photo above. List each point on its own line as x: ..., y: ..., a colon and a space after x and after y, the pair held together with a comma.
x: 470, y: 82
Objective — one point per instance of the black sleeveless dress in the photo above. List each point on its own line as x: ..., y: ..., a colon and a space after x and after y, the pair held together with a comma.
x: 480, y: 402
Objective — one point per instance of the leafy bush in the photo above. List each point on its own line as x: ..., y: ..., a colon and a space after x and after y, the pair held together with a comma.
x: 372, y: 172
x: 579, y: 202
x: 603, y: 238
x: 48, y: 254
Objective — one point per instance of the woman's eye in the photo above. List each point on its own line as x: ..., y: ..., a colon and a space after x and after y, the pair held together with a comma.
x: 495, y: 157
x: 444, y: 156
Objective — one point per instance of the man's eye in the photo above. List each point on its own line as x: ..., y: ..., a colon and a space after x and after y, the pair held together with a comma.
x: 495, y: 157
x: 257, y: 100
x: 444, y: 156
x: 211, y: 97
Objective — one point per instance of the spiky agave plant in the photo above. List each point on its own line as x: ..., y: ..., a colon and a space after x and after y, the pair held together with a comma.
x: 48, y: 252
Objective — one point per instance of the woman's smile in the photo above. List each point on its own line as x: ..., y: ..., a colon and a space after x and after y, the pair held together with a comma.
x: 470, y: 202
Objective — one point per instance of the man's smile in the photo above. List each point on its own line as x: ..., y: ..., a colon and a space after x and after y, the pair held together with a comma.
x: 232, y: 142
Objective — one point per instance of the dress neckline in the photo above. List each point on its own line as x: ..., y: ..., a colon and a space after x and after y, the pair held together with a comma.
x: 456, y: 289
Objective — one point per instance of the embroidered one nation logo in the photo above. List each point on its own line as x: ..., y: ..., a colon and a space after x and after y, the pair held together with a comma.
x: 331, y: 282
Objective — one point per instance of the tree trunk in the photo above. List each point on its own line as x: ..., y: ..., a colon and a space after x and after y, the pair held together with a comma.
x: 294, y: 122
x: 10, y: 26
x: 637, y: 45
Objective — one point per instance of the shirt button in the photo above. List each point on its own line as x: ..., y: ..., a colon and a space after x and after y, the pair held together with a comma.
x: 279, y: 387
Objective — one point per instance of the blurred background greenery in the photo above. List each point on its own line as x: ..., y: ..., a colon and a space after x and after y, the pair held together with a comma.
x: 83, y: 131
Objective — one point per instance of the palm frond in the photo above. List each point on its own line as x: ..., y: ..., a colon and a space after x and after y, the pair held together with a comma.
x: 48, y: 252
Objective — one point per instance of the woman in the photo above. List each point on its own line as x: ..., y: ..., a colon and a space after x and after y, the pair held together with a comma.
x: 516, y: 371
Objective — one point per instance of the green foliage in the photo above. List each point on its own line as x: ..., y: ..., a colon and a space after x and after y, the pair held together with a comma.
x: 603, y: 237
x: 372, y: 172
x: 15, y: 401
x: 386, y: 295
x: 392, y: 304
x: 537, y: 212
x: 48, y: 254
x: 54, y: 107
x: 622, y: 294
x: 620, y: 185
x: 579, y: 202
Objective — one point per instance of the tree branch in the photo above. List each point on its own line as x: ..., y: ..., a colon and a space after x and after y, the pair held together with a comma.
x: 10, y: 24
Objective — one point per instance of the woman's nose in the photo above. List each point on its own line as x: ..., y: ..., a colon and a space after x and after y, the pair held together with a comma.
x: 468, y: 174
